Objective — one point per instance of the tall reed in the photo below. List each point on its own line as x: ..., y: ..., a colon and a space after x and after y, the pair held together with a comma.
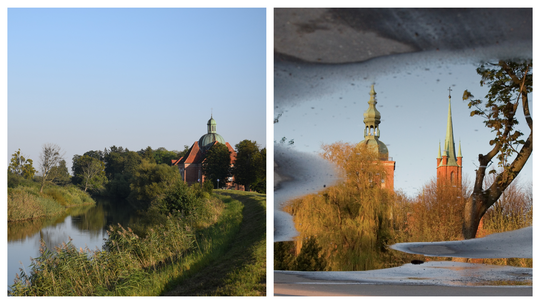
x: 77, y: 272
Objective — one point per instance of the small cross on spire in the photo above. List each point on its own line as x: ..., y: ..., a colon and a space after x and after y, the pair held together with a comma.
x: 449, y: 90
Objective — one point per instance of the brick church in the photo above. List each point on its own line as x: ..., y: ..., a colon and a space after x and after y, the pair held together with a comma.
x: 190, y: 165
x: 449, y: 165
x: 372, y: 119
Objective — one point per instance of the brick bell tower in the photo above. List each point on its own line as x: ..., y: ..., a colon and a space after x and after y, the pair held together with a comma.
x: 449, y: 166
x: 372, y: 119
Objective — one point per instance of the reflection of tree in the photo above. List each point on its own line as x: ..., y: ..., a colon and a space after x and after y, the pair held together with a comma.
x: 23, y: 229
x: 309, y: 258
x: 347, y: 225
x: 91, y: 220
x: 52, y: 237
x: 88, y: 219
x: 117, y: 211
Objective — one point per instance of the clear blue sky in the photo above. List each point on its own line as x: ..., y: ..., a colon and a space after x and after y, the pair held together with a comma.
x: 327, y: 103
x: 87, y: 79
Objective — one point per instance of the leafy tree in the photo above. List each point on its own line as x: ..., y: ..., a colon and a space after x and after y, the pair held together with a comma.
x: 50, y: 157
x: 260, y: 184
x: 183, y: 152
x: 97, y: 154
x: 179, y: 197
x: 120, y: 167
x: 510, y: 83
x: 91, y: 172
x: 249, y: 166
x: 162, y: 156
x: 22, y: 166
x: 217, y: 164
x: 151, y: 181
x: 61, y: 174
x: 148, y: 154
x: 436, y: 213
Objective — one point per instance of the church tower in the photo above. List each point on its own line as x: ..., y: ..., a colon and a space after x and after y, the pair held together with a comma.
x: 372, y: 119
x: 449, y: 167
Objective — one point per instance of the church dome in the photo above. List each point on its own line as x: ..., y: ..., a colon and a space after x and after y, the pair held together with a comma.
x: 211, y: 136
x: 377, y: 146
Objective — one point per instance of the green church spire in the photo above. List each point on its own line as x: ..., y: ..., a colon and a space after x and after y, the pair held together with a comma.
x: 211, y: 125
x: 449, y: 146
x: 372, y: 117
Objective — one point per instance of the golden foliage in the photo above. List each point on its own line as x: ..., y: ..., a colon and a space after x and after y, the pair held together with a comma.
x: 351, y: 220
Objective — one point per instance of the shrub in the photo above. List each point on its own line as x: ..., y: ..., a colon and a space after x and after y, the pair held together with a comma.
x: 25, y: 203
x: 57, y: 195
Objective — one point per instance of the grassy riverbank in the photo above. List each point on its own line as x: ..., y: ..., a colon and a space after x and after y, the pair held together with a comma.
x: 236, y: 265
x: 227, y: 257
x: 26, y: 202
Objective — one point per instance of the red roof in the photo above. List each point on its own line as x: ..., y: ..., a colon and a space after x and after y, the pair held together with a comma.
x: 196, y: 156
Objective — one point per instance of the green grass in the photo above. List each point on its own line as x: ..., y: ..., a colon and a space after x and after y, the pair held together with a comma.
x: 26, y: 202
x: 237, y: 265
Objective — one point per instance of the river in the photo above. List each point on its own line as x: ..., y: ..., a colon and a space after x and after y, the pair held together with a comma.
x: 86, y: 226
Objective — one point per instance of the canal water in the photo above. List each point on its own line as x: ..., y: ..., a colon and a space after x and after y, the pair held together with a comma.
x: 86, y: 226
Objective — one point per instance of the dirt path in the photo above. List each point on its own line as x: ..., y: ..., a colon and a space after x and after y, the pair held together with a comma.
x: 211, y: 279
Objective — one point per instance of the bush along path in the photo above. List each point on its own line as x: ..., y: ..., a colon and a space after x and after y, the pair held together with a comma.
x: 238, y: 267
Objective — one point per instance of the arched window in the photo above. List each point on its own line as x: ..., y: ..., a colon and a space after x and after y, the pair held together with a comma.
x: 452, y: 177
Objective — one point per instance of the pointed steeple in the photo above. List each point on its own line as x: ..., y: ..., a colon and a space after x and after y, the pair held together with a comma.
x: 459, y: 150
x: 439, y: 156
x: 449, y: 145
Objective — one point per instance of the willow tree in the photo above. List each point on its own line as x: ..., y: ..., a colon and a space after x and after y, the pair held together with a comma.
x: 510, y: 83
x: 351, y: 219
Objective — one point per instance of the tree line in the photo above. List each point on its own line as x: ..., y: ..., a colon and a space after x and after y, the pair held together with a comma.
x: 137, y: 175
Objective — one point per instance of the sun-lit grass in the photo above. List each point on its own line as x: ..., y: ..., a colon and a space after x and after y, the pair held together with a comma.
x: 227, y: 257
x: 26, y: 202
x: 237, y: 264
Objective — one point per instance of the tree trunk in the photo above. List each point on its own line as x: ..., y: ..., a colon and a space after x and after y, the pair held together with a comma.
x: 475, y: 207
x: 481, y: 199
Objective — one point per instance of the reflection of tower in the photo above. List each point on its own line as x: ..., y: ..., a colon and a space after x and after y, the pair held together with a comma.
x: 372, y: 119
x: 449, y: 167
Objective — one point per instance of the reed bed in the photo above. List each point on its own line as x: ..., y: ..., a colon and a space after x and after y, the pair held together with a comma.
x: 121, y: 266
x: 26, y: 202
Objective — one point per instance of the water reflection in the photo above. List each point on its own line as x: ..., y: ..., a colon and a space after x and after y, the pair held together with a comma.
x: 86, y: 226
